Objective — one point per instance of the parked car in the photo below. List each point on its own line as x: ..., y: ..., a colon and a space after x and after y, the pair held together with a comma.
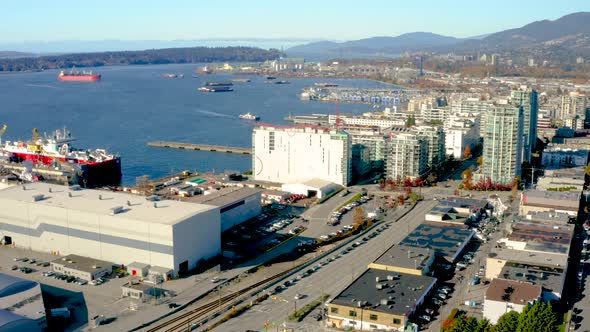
x: 475, y: 281
x: 48, y: 273
x: 425, y: 318
x: 14, y: 267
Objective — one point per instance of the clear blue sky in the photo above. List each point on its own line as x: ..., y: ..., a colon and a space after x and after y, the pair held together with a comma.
x: 40, y: 20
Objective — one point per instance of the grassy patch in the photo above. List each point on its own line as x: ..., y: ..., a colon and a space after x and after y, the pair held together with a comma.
x: 300, y: 314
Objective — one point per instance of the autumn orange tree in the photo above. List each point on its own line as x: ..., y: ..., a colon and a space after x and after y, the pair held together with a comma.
x: 467, y: 153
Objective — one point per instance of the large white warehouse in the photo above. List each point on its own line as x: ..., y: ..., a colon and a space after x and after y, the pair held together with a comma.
x: 296, y: 154
x: 110, y: 226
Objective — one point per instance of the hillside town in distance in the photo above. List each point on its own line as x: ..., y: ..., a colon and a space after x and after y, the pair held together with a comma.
x: 456, y: 201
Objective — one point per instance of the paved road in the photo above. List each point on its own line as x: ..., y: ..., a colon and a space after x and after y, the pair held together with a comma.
x: 330, y: 279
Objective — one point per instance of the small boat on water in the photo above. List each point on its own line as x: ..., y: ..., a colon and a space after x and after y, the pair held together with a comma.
x: 219, y: 84
x: 278, y: 82
x: 172, y: 75
x: 249, y: 116
x: 241, y: 80
x: 216, y: 89
x: 271, y: 78
x: 325, y: 84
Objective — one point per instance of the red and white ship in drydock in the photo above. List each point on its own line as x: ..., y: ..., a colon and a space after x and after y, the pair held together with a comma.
x: 94, y: 167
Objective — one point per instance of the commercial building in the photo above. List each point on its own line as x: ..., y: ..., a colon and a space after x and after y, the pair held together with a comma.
x: 502, y: 145
x: 110, y: 226
x: 81, y: 267
x: 445, y: 239
x: 528, y: 100
x: 503, y: 296
x: 379, y: 300
x: 550, y: 201
x: 405, y: 259
x: 22, y: 297
x: 236, y: 205
x: 562, y: 179
x: 294, y: 154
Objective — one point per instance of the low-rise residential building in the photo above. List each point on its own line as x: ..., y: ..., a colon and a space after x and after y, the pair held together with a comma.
x: 379, y: 299
x: 557, y: 156
x: 503, y: 296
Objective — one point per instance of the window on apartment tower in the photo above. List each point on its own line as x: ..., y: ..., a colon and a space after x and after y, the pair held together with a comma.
x: 334, y: 310
x: 352, y: 313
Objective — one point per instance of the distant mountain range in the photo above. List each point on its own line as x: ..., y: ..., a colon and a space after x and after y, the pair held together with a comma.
x: 571, y: 32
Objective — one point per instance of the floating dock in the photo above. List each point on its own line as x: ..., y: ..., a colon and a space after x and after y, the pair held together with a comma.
x: 200, y: 147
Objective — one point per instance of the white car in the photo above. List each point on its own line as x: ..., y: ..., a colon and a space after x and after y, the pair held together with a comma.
x: 425, y: 318
x: 298, y: 296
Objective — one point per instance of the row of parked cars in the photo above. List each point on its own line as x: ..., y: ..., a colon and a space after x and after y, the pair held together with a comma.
x: 31, y: 261
x: 336, y: 215
x: 437, y: 300
x: 342, y: 230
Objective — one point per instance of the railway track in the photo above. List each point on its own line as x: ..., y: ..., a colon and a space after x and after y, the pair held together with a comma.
x: 185, y: 321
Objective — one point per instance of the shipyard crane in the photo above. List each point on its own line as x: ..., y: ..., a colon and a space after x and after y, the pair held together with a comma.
x: 35, y: 145
x: 2, y: 131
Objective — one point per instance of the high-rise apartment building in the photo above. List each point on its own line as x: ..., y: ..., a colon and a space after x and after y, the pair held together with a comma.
x: 406, y: 154
x: 503, y: 144
x: 295, y: 154
x: 528, y: 99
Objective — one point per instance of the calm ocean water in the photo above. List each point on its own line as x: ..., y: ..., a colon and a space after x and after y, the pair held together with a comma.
x: 133, y: 105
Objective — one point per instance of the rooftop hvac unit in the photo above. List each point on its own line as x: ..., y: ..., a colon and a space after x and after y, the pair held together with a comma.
x: 384, y: 301
x: 376, y: 279
x: 116, y: 210
x: 37, y: 198
x: 95, y: 267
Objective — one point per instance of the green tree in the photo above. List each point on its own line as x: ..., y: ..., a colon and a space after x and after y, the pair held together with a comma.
x: 508, y: 322
x: 540, y: 317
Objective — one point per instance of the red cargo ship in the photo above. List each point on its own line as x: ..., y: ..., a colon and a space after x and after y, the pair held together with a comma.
x: 77, y: 76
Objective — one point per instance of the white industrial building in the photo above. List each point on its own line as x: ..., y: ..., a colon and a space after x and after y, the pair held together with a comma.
x: 110, y: 226
x: 312, y: 188
x: 236, y: 205
x: 294, y: 154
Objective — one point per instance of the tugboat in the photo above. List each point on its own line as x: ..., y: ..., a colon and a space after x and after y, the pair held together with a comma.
x: 249, y: 116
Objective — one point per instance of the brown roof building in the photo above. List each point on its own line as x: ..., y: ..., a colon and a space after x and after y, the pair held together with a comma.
x: 507, y: 295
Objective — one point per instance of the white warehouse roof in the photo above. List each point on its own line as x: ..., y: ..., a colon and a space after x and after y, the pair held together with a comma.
x: 102, y: 202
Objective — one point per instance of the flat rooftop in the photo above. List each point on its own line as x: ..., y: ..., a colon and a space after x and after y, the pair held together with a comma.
x: 103, y: 202
x: 542, y: 237
x: 566, y: 200
x: 511, y: 291
x: 405, y: 257
x: 402, y: 293
x: 444, y: 238
x: 548, y: 217
x: 464, y: 202
x: 550, y: 279
x: 81, y: 263
x: 548, y: 259
x: 225, y: 196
